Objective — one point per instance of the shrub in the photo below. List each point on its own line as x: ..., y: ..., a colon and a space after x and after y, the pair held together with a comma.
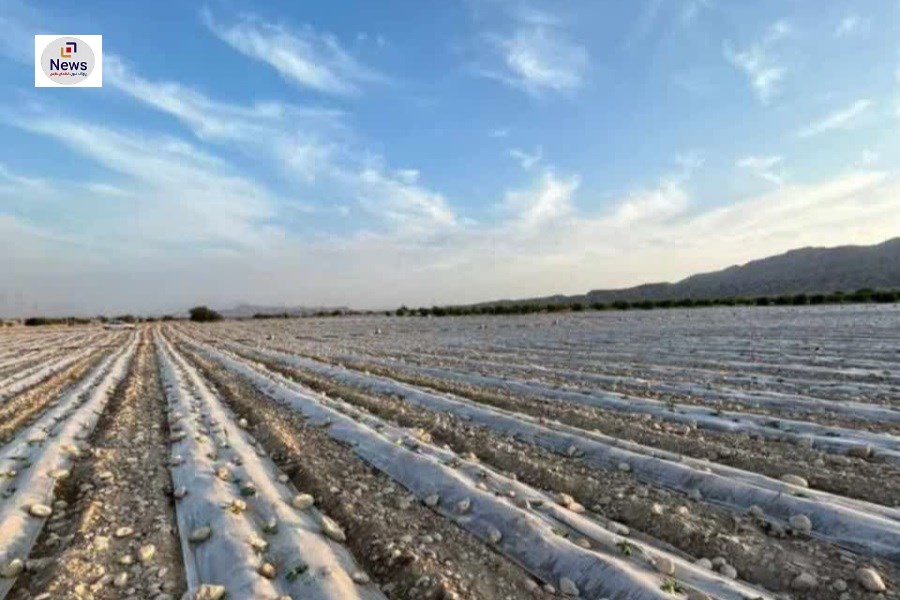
x: 203, y: 314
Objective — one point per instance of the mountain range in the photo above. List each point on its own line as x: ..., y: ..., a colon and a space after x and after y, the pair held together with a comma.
x: 800, y: 271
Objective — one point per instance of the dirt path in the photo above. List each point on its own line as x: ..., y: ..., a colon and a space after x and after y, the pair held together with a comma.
x: 112, y: 534
x: 408, y: 549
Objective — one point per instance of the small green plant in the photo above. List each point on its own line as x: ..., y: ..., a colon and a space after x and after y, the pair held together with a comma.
x: 296, y: 571
x: 671, y: 586
x: 625, y: 547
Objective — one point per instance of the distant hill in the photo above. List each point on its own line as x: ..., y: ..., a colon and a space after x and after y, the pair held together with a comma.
x: 802, y: 271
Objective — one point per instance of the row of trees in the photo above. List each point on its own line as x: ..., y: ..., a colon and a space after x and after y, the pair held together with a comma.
x: 198, y: 313
x: 204, y: 314
x: 858, y: 297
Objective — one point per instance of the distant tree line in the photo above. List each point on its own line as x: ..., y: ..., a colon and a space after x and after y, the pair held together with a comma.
x: 862, y: 296
x: 203, y: 314
x: 131, y: 319
x: 38, y: 321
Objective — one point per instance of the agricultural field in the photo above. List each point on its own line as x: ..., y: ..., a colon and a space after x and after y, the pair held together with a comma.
x: 728, y: 453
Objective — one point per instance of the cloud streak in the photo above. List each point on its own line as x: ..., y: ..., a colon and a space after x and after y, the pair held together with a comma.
x: 311, y: 147
x: 760, y: 64
x: 302, y: 56
x: 536, y: 55
x: 840, y: 119
x: 764, y: 167
x: 526, y: 159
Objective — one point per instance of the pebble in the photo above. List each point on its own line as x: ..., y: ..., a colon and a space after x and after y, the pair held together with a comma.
x: 267, y: 570
x: 146, y: 553
x: 121, y: 580
x: 302, y: 501
x: 728, y: 571
x: 804, y: 581
x: 209, y: 591
x: 123, y: 532
x: 664, y: 565
x: 40, y: 510
x: 360, y: 578
x: 333, y: 530
x: 568, y: 587
x: 494, y: 535
x: 432, y: 500
x: 463, y: 506
x: 200, y: 534
x: 800, y: 523
x: 860, y: 451
x: 13, y: 569
x: 624, y: 467
x: 870, y: 579
x: 795, y: 480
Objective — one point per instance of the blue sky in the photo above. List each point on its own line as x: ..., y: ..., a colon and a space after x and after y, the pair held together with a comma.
x: 372, y: 154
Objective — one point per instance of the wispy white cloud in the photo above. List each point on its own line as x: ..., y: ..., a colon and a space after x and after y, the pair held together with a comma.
x: 764, y: 167
x: 840, y: 119
x: 498, y: 133
x: 660, y: 17
x: 549, y: 200
x: 302, y: 56
x: 310, y: 146
x: 182, y: 194
x: 527, y: 159
x: 10, y: 178
x: 867, y: 158
x: 411, y: 208
x: 688, y: 163
x: 693, y: 8
x: 211, y: 120
x: 851, y: 24
x: 759, y: 62
x: 536, y: 55
x: 663, y: 202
